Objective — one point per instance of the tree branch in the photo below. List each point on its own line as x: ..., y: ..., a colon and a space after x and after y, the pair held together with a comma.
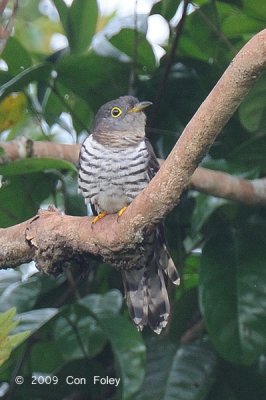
x: 54, y: 238
x: 226, y: 186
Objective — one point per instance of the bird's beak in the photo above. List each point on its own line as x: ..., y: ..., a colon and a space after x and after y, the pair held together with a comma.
x: 140, y: 106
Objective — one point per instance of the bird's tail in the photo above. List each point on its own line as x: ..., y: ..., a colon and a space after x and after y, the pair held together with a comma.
x: 145, y: 290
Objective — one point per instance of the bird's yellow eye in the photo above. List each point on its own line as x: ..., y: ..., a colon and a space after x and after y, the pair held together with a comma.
x: 116, y: 112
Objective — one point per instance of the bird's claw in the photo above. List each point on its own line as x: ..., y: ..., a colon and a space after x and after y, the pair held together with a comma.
x: 121, y: 212
x: 99, y: 216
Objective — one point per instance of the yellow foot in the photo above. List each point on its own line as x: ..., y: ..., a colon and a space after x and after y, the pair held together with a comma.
x: 99, y: 216
x: 121, y: 212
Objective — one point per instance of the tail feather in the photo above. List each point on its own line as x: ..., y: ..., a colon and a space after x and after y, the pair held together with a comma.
x: 147, y: 297
x: 168, y: 265
x: 136, y: 293
x: 145, y: 289
x: 159, y: 306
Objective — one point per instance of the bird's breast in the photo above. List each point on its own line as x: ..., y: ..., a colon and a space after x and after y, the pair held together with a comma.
x: 110, y: 178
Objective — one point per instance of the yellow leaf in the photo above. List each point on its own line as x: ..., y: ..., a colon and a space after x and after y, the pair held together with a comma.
x: 5, y: 350
x: 9, y: 342
x: 12, y: 109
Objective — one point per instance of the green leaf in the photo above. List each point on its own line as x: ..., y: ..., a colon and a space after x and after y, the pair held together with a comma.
x: 222, y: 391
x: 125, y: 41
x: 237, y: 24
x: 103, y: 305
x: 94, y: 78
x: 74, y: 203
x: 201, y: 38
x: 160, y: 354
x: 126, y: 342
x: 9, y: 342
x: 185, y: 373
x: 183, y: 310
x: 192, y: 373
x: 252, y: 111
x: 53, y: 359
x: 77, y: 334
x: 61, y: 99
x: 129, y: 351
x: 8, y: 277
x: 6, y: 321
x: 81, y: 24
x: 255, y: 8
x: 62, y: 10
x: 21, y: 196
x: 251, y: 154
x: 232, y: 293
x: 22, y: 60
x: 166, y: 8
x: 22, y: 295
x: 30, y: 165
x: 39, y: 72
x: 34, y: 319
x: 18, y: 338
x: 205, y: 206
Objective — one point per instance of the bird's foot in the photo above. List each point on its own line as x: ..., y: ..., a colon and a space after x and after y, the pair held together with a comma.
x: 99, y: 216
x: 121, y: 212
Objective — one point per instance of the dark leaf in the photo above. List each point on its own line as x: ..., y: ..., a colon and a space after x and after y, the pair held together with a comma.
x: 22, y: 60
x: 34, y: 319
x: 39, y: 72
x: 96, y: 79
x: 252, y: 111
x: 185, y: 373
x: 62, y: 10
x: 136, y: 46
x: 21, y: 197
x: 166, y: 8
x: 126, y: 342
x: 232, y: 293
x: 31, y: 165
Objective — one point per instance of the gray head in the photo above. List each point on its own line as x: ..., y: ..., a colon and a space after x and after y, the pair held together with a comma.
x: 120, y: 122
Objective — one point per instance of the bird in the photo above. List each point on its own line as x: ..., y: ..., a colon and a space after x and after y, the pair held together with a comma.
x: 116, y: 163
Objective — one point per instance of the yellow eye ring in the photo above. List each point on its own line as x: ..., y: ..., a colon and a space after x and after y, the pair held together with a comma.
x: 116, y: 112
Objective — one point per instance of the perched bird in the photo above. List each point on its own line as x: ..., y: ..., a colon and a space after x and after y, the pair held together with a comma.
x: 116, y: 163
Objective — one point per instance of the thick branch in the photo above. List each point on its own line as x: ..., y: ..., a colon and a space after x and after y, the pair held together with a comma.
x: 24, y: 148
x: 51, y: 234
x: 221, y: 184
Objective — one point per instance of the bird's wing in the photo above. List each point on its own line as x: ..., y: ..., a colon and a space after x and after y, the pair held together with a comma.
x: 153, y: 165
x: 166, y: 261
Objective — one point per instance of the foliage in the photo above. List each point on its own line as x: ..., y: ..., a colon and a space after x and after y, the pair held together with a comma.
x: 9, y: 342
x: 80, y: 326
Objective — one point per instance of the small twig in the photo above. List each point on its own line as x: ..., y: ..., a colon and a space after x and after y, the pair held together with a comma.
x: 3, y: 5
x: 193, y: 333
x: 76, y: 332
x: 168, y: 65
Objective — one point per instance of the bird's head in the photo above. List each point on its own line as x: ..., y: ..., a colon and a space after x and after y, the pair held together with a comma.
x: 120, y: 122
